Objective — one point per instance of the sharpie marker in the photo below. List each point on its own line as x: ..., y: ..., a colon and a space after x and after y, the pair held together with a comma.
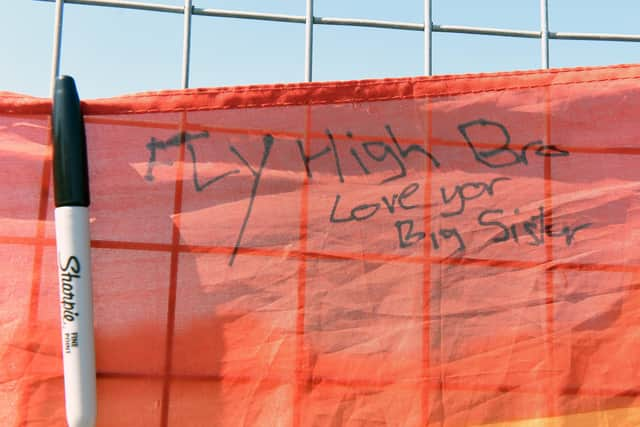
x: 71, y: 187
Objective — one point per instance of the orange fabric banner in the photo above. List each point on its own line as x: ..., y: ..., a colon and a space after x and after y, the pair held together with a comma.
x: 447, y: 251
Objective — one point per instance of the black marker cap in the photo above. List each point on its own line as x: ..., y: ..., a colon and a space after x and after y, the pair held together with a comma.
x: 70, y: 166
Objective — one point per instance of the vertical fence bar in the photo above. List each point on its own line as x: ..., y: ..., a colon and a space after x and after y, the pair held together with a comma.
x: 57, y: 43
x: 186, y: 43
x: 308, y: 43
x: 544, y: 33
x: 428, y: 33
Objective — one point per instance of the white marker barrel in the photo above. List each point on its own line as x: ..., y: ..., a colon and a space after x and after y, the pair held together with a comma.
x: 76, y: 311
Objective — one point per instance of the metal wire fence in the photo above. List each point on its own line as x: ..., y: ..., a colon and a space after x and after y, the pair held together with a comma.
x: 310, y: 20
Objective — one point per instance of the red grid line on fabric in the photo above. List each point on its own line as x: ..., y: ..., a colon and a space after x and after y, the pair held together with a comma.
x: 295, y: 254
x: 421, y: 260
x: 173, y: 284
x: 435, y: 141
x: 36, y: 277
x: 302, y: 370
x: 348, y: 256
x: 450, y: 385
x: 426, y: 276
x: 548, y: 246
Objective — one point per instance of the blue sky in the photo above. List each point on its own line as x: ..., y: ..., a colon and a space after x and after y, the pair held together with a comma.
x: 114, y: 51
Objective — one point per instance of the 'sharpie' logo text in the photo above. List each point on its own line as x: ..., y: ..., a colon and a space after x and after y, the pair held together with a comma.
x: 69, y: 272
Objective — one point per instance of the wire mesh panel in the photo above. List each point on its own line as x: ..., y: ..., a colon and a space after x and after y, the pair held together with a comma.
x: 310, y: 20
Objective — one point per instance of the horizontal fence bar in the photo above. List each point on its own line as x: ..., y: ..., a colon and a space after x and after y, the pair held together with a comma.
x: 126, y: 5
x: 595, y: 37
x: 256, y: 16
x: 154, y: 7
x: 368, y: 23
x: 485, y: 31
